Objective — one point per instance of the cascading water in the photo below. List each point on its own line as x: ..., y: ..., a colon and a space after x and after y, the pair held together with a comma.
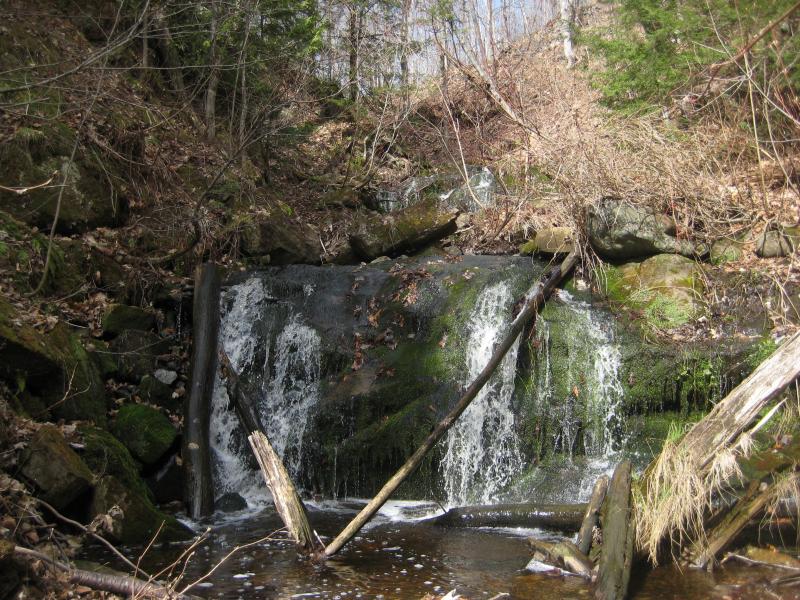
x: 286, y: 372
x: 482, y: 449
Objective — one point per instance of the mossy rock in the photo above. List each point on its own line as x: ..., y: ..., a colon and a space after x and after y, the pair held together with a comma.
x: 667, y: 288
x: 404, y: 231
x: 775, y: 243
x: 121, y: 317
x: 136, y: 353
x: 59, y: 474
x: 276, y: 240
x: 550, y: 240
x: 53, y: 366
x: 725, y: 251
x: 145, y: 432
x: 92, y: 196
x: 140, y: 520
x: 106, y: 455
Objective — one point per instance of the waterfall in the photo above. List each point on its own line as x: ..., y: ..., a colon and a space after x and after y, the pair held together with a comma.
x: 285, y: 374
x: 482, y: 448
x: 590, y: 383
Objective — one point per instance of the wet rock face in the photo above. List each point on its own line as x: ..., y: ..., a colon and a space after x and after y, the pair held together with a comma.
x: 57, y: 472
x: 618, y: 230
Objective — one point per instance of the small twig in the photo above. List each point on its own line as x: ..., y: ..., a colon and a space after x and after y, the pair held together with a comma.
x: 19, y: 191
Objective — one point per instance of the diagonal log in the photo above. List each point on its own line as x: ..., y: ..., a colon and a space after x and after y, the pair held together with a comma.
x: 533, y: 301
x: 592, y: 515
x: 616, y: 554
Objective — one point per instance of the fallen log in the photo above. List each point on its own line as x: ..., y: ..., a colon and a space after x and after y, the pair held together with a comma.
x: 123, y: 585
x: 758, y: 495
x: 616, y: 554
x: 678, y: 487
x: 561, y: 517
x: 198, y: 492
x: 590, y: 519
x: 287, y: 501
x: 533, y: 300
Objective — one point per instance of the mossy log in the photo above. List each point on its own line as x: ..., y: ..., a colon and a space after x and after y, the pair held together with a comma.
x: 590, y: 519
x: 561, y: 517
x: 198, y: 492
x: 564, y: 555
x: 616, y: 554
x: 534, y: 299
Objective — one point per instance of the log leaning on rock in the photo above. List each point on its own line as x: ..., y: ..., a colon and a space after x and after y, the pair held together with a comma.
x: 561, y: 517
x: 198, y: 492
x: 592, y: 515
x: 533, y: 300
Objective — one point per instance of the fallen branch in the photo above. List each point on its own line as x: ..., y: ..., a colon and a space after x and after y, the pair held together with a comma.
x: 533, y: 300
x: 592, y: 515
x: 562, y: 517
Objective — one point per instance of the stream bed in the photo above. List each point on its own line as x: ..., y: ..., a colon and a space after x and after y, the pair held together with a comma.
x: 397, y: 556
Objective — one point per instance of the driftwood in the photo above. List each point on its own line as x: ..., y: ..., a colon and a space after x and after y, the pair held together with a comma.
x: 564, y: 555
x: 198, y: 492
x: 616, y: 554
x: 754, y: 500
x: 123, y: 585
x: 562, y: 517
x: 288, y: 503
x: 533, y: 300
x: 592, y: 514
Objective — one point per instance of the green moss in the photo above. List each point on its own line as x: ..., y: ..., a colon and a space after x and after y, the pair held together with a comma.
x: 106, y: 455
x: 760, y: 352
x: 145, y: 432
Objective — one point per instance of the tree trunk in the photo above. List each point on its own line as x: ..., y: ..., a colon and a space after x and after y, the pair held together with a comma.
x: 533, y: 300
x: 354, y: 34
x: 213, y: 78
x: 563, y: 517
x: 616, y: 555
x: 167, y: 52
x: 585, y: 534
x: 198, y: 492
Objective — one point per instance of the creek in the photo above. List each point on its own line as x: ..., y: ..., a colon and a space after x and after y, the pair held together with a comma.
x: 349, y: 367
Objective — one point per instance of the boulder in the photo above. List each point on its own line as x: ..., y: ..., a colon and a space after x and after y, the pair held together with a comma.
x: 550, y: 240
x: 667, y: 288
x: 230, y: 502
x: 774, y: 243
x: 405, y: 231
x: 166, y: 376
x: 106, y: 455
x: 121, y: 317
x: 725, y: 251
x: 140, y: 520
x: 57, y: 472
x: 276, y: 240
x: 54, y: 365
x: 153, y: 391
x: 136, y: 353
x: 618, y: 230
x: 145, y: 432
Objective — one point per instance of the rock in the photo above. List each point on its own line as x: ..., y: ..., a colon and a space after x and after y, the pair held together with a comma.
x: 57, y: 472
x: 550, y: 240
x: 667, y: 287
x: 136, y: 353
x: 166, y: 484
x: 278, y: 241
x: 9, y: 575
x: 166, y: 376
x: 54, y: 365
x: 448, y: 189
x: 230, y: 502
x: 774, y: 243
x: 404, y: 231
x: 725, y: 251
x: 106, y: 455
x: 152, y: 391
x: 618, y: 230
x: 121, y: 317
x: 140, y: 520
x: 91, y: 195
x: 145, y: 432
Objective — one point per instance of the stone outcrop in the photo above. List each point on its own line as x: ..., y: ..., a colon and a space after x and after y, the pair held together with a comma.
x: 120, y: 317
x: 402, y: 232
x: 275, y: 240
x: 145, y: 432
x: 618, y: 230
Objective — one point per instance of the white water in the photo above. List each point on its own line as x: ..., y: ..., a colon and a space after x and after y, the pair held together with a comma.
x: 288, y: 393
x: 482, y: 449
